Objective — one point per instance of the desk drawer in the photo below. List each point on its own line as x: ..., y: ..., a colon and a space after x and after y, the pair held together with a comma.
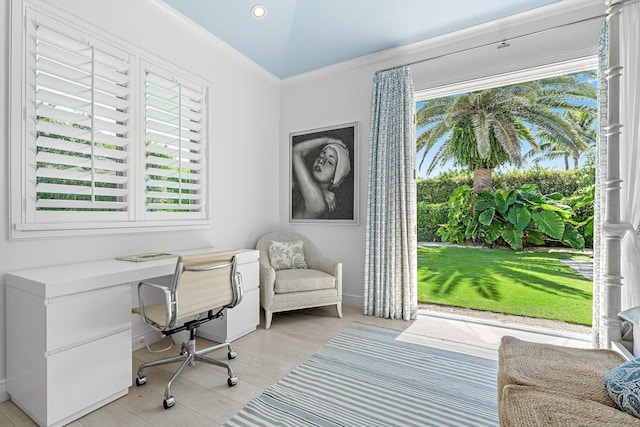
x: 250, y: 275
x: 81, y: 376
x: 87, y: 316
x: 238, y: 321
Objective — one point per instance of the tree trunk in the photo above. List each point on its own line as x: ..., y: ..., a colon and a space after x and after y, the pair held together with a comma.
x: 482, y: 179
x: 575, y: 162
x: 566, y: 162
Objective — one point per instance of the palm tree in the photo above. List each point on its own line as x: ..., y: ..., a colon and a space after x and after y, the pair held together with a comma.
x: 474, y: 125
x: 585, y: 122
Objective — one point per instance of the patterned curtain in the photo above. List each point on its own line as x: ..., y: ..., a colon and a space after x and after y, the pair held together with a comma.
x: 390, y: 288
x: 599, y: 254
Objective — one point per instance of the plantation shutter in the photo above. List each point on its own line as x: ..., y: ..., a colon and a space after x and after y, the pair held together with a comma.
x: 175, y: 146
x: 101, y: 139
x: 81, y: 119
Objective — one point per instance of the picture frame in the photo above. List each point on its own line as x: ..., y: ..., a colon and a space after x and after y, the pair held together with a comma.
x: 323, y: 175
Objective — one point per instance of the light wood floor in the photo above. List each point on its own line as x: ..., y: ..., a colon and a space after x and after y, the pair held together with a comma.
x: 265, y: 356
x: 201, y: 392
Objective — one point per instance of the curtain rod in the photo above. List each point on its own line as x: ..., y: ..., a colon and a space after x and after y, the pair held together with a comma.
x: 500, y: 44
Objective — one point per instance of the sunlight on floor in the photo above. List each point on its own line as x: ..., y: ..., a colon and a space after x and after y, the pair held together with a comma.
x: 480, y: 337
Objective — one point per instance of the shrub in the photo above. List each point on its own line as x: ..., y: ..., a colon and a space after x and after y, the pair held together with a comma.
x: 575, y: 185
x: 458, y: 216
x: 430, y: 216
x: 439, y: 189
x: 582, y: 204
x: 547, y: 181
x: 518, y: 218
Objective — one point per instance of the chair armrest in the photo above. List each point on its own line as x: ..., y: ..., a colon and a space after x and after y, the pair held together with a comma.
x: 326, y: 265
x: 238, y: 289
x: 330, y: 267
x: 267, y: 283
x: 169, y: 303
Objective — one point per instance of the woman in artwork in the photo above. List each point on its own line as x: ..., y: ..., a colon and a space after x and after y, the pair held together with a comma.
x: 319, y: 181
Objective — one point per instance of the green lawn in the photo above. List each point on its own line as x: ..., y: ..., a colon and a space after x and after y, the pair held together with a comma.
x: 532, y: 284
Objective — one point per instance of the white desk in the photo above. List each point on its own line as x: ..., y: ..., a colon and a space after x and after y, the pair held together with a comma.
x: 68, y: 332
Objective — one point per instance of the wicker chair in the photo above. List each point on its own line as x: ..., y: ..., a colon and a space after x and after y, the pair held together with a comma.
x: 317, y: 285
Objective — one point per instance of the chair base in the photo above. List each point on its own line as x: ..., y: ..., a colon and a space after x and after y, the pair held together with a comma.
x: 188, y: 356
x: 268, y: 315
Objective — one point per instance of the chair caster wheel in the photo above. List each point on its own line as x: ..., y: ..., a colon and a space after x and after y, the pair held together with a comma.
x: 141, y: 380
x: 232, y: 355
x: 168, y: 402
x: 231, y: 381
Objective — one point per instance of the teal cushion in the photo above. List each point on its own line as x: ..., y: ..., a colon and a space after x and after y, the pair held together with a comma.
x: 623, y: 386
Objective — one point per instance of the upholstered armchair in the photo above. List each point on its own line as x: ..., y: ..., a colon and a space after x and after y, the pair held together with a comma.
x: 294, y: 275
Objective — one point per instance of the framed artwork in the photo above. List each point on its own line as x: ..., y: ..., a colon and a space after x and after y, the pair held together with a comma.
x: 323, y: 171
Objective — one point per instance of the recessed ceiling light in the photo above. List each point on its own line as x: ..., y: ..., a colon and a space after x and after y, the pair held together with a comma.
x: 258, y: 11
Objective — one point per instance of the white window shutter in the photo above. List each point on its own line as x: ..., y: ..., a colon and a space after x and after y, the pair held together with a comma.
x: 175, y: 146
x: 81, y: 114
x: 109, y: 137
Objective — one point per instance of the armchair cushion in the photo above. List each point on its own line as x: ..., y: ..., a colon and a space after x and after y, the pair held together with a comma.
x: 288, y: 281
x: 286, y: 255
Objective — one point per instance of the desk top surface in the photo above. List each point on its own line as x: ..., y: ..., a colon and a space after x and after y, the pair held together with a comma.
x: 59, y: 280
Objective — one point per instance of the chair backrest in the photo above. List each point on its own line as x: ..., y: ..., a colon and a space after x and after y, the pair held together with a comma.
x: 310, y: 250
x: 205, y: 282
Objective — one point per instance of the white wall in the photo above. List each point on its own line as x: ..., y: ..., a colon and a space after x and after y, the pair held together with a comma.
x: 342, y: 93
x: 244, y: 158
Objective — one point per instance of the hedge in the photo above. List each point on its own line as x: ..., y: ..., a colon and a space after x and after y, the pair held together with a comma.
x: 430, y: 216
x: 438, y: 189
x: 433, y: 194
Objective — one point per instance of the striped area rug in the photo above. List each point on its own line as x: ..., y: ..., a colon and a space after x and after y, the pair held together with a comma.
x: 364, y: 377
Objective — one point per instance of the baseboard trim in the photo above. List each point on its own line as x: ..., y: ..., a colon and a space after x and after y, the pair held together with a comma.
x: 354, y: 300
x: 145, y: 338
x: 4, y: 395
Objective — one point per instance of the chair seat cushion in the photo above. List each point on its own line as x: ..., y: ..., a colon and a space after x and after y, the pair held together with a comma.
x: 156, y: 313
x: 300, y: 280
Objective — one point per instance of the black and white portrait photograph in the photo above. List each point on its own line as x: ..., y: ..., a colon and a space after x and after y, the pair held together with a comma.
x: 323, y: 175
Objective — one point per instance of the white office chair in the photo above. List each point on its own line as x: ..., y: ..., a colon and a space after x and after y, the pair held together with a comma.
x: 203, y: 287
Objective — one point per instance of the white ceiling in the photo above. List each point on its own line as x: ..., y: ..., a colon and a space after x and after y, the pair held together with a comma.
x: 297, y: 36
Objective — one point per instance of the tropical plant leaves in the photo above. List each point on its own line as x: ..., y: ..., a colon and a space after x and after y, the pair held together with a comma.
x: 554, y: 196
x: 513, y: 237
x: 519, y: 216
x: 572, y: 237
x: 471, y: 228
x: 535, y: 237
x: 493, y: 233
x: 486, y: 216
x: 508, y: 217
x: 549, y: 223
x: 504, y: 199
x: 533, y: 198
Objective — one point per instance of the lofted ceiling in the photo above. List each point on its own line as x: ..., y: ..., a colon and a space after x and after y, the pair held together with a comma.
x: 297, y: 36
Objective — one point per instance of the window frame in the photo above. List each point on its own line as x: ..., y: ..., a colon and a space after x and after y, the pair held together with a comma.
x: 24, y: 224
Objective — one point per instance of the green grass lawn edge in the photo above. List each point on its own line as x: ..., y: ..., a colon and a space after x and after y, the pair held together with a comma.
x: 524, y: 283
